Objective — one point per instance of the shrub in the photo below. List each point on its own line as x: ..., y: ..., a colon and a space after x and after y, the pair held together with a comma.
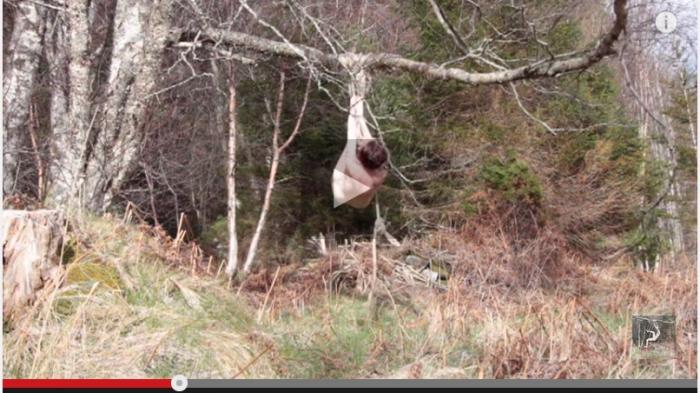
x: 513, y: 179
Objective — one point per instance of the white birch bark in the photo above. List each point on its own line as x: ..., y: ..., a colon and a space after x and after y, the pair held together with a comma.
x: 232, y: 263
x: 277, y: 151
x: 689, y: 112
x: 656, y: 129
x: 140, y: 33
x: 646, y: 70
x: 68, y: 55
x: 252, y: 250
x: 22, y: 63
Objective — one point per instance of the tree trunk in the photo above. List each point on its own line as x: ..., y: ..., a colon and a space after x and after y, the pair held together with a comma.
x: 277, y: 151
x: 655, y: 128
x: 252, y: 250
x: 140, y: 33
x: 25, y: 46
x: 31, y: 247
x: 688, y: 109
x: 68, y: 54
x: 232, y: 264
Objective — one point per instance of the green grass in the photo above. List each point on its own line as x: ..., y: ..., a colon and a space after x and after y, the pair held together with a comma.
x: 338, y: 340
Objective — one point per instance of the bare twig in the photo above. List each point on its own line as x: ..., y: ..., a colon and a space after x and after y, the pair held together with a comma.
x: 539, y: 69
x: 447, y: 26
x: 252, y: 361
x: 267, y: 295
x: 276, y: 153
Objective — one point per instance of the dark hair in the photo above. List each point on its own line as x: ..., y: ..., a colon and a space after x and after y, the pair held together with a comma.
x: 372, y: 154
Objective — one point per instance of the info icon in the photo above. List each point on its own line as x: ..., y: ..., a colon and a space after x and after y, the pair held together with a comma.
x: 666, y: 22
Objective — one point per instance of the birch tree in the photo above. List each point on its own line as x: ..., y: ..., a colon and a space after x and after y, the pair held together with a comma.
x: 232, y: 262
x: 68, y: 55
x: 140, y: 32
x: 648, y: 61
x: 277, y: 151
x: 20, y: 69
x: 97, y: 123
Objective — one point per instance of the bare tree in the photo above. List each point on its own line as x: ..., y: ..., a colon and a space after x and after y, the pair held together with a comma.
x: 232, y: 264
x: 277, y: 151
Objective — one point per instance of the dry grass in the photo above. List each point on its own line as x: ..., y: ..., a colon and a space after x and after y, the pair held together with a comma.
x: 164, y: 322
x: 532, y: 311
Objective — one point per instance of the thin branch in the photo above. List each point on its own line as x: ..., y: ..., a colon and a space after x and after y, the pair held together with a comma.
x: 297, y: 126
x: 224, y: 53
x: 278, y: 114
x: 544, y: 68
x: 440, y: 15
x: 276, y: 153
x: 255, y: 15
x: 47, y: 5
x: 530, y: 115
x: 552, y: 130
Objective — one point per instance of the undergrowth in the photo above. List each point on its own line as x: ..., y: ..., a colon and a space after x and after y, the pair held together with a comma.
x: 127, y: 309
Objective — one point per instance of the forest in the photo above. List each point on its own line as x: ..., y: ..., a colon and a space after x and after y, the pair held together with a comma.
x: 172, y: 173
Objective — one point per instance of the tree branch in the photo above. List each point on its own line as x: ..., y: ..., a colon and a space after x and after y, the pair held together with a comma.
x: 302, y: 111
x: 440, y: 15
x: 544, y: 68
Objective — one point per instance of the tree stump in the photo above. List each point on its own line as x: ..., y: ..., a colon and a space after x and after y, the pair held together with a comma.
x: 31, y: 249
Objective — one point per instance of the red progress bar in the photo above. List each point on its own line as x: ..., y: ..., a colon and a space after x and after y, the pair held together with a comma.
x: 86, y: 383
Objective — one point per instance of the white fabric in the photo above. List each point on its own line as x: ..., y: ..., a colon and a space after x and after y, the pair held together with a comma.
x: 357, y: 124
x: 346, y: 186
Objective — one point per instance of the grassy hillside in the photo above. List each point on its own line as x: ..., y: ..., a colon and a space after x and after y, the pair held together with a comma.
x: 136, y: 303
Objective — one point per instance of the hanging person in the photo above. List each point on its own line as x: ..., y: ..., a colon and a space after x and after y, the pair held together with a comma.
x: 363, y: 165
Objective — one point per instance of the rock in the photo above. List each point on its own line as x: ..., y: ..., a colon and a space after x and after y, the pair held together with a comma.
x: 430, y: 275
x: 415, y: 262
x: 441, y: 268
